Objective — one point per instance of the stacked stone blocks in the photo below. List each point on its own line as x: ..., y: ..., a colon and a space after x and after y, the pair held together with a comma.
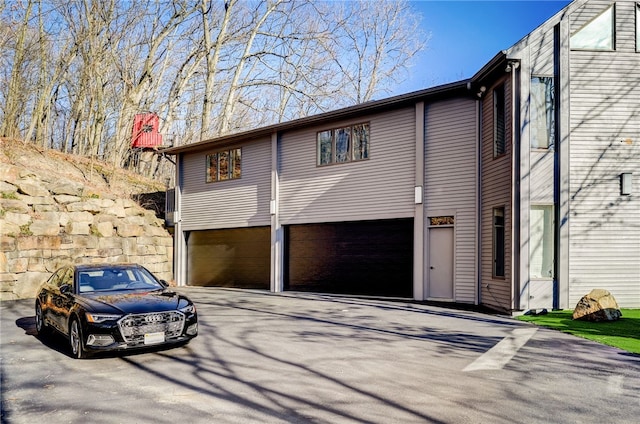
x: 49, y: 221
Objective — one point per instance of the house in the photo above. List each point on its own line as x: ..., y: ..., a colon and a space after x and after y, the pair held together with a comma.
x: 515, y: 189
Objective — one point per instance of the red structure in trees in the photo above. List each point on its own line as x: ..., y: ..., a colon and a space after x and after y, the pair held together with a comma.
x: 145, y: 131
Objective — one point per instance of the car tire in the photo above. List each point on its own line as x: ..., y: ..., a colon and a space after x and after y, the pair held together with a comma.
x: 75, y: 340
x: 42, y: 328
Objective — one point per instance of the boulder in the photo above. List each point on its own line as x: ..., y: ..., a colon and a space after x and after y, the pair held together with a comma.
x: 598, y: 305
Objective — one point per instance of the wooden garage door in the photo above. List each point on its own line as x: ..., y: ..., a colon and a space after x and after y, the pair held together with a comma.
x: 363, y: 257
x: 237, y: 257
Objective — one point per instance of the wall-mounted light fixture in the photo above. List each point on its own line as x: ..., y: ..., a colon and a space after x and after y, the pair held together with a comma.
x: 417, y: 195
x: 512, y: 64
x: 481, y: 91
x: 626, y: 179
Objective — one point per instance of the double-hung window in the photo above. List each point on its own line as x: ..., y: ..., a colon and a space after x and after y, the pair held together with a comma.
x: 543, y: 109
x: 224, y: 165
x: 345, y: 144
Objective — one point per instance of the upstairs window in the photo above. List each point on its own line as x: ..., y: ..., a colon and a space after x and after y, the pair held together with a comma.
x: 344, y: 144
x: 499, y: 123
x: 224, y: 165
x: 638, y: 27
x: 543, y: 117
x: 598, y: 34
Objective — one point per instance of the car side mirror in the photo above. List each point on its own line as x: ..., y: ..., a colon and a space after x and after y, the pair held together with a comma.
x: 164, y: 283
x: 65, y: 289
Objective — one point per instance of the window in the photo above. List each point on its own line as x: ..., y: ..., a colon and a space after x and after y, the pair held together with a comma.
x: 224, y: 165
x: 597, y: 34
x: 341, y: 145
x: 638, y: 27
x: 498, y: 242
x: 499, y: 126
x: 541, y: 250
x: 543, y: 119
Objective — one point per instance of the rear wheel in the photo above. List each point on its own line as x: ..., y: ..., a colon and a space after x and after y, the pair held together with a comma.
x: 41, y: 326
x: 75, y: 340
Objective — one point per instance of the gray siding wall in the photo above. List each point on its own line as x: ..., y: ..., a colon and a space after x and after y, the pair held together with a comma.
x: 450, y: 187
x: 605, y: 141
x: 243, y: 202
x: 496, y: 192
x: 378, y: 188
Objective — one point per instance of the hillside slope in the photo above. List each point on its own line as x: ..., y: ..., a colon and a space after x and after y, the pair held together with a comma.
x: 57, y: 209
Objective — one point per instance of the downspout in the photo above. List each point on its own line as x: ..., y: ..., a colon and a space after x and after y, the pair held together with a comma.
x: 179, y: 246
x: 479, y: 111
x: 514, y: 67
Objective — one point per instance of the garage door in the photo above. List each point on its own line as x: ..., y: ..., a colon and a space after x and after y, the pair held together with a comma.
x: 237, y: 257
x: 363, y: 257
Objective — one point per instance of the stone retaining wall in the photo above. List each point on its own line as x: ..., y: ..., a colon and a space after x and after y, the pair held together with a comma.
x: 49, y: 221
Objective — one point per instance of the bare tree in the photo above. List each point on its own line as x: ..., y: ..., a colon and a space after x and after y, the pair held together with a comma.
x: 76, y: 72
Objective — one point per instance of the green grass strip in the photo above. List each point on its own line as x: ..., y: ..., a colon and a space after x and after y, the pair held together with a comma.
x: 623, y: 333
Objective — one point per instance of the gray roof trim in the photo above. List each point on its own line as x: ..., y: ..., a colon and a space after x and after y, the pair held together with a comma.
x: 443, y: 91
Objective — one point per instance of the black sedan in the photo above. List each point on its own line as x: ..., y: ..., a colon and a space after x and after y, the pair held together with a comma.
x: 113, y: 307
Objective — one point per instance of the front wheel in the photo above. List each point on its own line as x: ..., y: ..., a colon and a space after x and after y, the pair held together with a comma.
x: 41, y: 326
x: 75, y: 340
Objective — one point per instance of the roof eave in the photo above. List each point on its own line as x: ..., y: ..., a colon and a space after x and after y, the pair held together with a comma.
x: 446, y: 90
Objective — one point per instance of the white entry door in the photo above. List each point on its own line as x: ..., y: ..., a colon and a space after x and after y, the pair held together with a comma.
x: 441, y: 263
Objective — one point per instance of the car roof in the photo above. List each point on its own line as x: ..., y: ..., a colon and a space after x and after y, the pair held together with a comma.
x: 93, y: 267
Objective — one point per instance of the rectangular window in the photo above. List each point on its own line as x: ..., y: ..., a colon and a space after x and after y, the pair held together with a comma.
x: 344, y: 144
x: 541, y: 249
x: 360, y: 141
x: 224, y: 165
x: 597, y: 34
x: 498, y: 242
x: 499, y: 125
x: 638, y: 27
x: 543, y: 109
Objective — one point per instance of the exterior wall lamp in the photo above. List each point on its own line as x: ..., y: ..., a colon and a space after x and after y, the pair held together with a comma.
x: 626, y: 179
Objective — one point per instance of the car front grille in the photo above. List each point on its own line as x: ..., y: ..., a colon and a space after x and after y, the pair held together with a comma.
x: 134, y: 327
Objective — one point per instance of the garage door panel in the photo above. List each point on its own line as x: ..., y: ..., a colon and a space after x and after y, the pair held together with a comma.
x: 365, y: 257
x: 229, y: 258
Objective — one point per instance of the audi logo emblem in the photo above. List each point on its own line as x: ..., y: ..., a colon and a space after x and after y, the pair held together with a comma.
x: 153, y: 318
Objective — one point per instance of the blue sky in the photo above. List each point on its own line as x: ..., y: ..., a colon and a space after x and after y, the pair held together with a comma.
x: 465, y: 35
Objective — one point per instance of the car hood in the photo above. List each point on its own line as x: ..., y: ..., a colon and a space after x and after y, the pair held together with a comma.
x: 135, y: 301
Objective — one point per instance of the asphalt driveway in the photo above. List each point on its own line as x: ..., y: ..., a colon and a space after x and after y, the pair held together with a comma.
x: 295, y: 358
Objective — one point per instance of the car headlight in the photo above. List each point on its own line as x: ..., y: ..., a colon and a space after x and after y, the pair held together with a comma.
x: 96, y: 318
x: 189, y: 309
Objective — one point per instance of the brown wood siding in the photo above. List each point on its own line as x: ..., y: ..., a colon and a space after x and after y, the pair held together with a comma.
x: 365, y: 257
x: 378, y: 188
x: 229, y: 258
x: 605, y: 111
x: 451, y: 166
x: 496, y: 192
x: 242, y: 202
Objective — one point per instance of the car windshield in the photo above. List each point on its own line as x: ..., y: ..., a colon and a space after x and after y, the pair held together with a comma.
x: 116, y: 278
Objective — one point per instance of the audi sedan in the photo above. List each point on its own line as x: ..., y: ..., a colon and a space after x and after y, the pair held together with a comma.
x: 111, y: 307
